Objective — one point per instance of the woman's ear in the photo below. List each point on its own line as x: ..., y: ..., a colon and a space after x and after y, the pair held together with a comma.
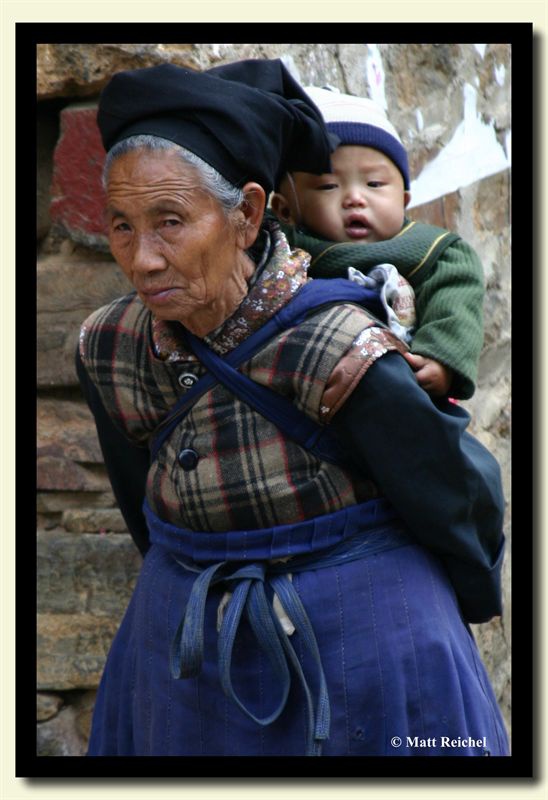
x: 280, y: 206
x: 252, y: 212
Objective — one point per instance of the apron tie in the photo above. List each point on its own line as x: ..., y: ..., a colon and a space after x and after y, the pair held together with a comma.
x: 249, y: 595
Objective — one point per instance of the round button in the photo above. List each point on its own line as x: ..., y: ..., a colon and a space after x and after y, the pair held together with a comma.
x: 188, y: 459
x: 187, y: 380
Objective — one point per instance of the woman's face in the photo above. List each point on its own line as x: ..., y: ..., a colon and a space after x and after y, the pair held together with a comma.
x: 173, y: 241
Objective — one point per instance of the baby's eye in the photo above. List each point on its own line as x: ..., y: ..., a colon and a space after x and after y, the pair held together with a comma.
x: 375, y: 184
x: 326, y: 186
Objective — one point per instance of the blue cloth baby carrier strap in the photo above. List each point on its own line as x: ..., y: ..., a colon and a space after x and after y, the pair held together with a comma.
x: 247, y: 569
x: 295, y: 424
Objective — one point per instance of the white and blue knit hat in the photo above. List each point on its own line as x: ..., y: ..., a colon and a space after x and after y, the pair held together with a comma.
x: 360, y: 121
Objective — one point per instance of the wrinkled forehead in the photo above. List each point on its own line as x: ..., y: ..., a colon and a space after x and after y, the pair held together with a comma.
x: 153, y: 182
x: 151, y: 167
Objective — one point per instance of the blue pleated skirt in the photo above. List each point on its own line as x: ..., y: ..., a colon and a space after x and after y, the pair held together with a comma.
x: 402, y: 670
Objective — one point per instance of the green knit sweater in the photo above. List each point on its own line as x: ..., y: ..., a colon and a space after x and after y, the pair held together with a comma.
x: 447, y: 277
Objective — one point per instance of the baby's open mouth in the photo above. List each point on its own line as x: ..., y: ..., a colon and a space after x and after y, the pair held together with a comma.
x: 356, y: 229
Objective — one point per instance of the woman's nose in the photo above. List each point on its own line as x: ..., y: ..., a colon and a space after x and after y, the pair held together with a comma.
x: 147, y: 255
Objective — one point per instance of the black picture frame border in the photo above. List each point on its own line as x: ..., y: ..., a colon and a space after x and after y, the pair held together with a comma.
x: 523, y: 764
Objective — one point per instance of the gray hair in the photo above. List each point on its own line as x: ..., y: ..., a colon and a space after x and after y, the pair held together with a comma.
x: 229, y: 197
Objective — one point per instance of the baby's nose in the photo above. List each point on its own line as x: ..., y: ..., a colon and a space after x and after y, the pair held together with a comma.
x: 355, y: 197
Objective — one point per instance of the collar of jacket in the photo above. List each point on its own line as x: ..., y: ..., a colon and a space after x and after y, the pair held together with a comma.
x: 413, y: 251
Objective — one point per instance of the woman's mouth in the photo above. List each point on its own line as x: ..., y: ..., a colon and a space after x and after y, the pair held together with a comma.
x: 160, y: 295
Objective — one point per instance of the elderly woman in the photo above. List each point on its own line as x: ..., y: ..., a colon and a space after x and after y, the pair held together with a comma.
x: 318, y: 532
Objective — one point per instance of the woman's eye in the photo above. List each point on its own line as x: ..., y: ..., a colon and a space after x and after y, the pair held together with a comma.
x: 121, y: 227
x: 170, y: 223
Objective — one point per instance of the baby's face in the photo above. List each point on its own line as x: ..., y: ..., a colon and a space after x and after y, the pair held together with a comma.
x: 362, y: 200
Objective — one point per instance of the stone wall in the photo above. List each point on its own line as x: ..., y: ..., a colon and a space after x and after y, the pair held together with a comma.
x: 450, y: 102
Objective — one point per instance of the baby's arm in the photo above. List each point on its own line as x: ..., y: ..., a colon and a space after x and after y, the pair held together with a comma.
x: 449, y: 305
x: 435, y: 378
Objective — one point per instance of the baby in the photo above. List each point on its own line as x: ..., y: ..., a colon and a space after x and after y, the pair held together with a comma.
x: 355, y: 218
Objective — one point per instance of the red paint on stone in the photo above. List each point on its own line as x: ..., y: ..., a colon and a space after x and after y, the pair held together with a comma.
x: 78, y: 199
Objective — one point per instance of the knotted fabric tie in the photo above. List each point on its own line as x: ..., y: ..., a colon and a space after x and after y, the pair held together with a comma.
x: 249, y: 594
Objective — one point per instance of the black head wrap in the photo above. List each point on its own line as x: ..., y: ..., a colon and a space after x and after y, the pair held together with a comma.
x: 250, y: 120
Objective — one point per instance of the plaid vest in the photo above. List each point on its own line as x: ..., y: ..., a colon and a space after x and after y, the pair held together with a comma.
x: 244, y: 474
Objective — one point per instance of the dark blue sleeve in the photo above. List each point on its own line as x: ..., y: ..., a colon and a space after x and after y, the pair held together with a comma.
x: 127, y: 464
x: 445, y: 485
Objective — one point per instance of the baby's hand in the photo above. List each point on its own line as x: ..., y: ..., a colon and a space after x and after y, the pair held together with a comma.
x: 435, y: 378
